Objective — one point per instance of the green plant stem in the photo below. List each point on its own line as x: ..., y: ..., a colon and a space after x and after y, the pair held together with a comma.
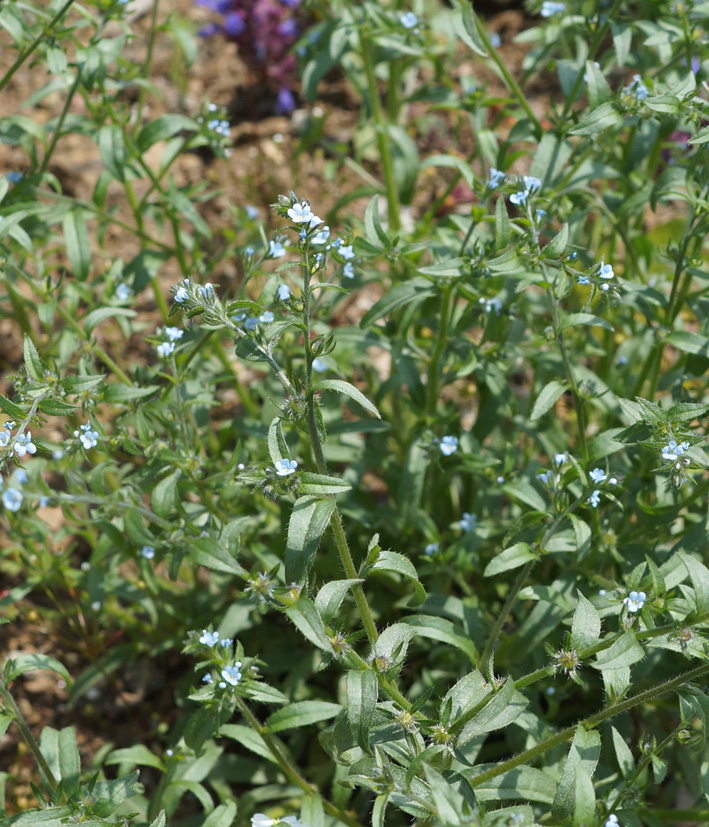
x: 147, y: 66
x: 60, y: 123
x: 338, y: 531
x: 592, y: 721
x: 366, y: 46
x: 510, y: 82
x: 47, y: 30
x: 486, y: 655
x: 290, y: 771
x: 434, y: 362
x: 14, y: 709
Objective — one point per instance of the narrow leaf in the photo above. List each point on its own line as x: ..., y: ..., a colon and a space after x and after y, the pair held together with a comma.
x: 309, y: 520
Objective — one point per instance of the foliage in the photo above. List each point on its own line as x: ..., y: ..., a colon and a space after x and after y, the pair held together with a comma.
x: 419, y: 562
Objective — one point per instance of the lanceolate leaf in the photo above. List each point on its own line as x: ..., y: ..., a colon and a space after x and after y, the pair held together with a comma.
x: 362, y: 693
x: 309, y: 519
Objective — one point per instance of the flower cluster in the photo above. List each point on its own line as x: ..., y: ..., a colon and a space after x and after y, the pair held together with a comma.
x: 637, y: 89
x: 531, y: 186
x: 676, y: 463
x: 549, y: 8
x: 495, y: 178
x: 598, y: 476
x: 87, y: 436
x: 265, y: 32
x: 601, y: 277
x: 167, y: 347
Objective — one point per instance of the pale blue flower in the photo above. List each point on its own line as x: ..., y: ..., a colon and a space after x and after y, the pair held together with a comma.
x: 559, y: 459
x: 276, y: 249
x: 637, y: 88
x: 584, y: 280
x: 285, y: 467
x: 545, y: 477
x: 321, y: 236
x: 206, y: 292
x: 206, y: 678
x: 12, y: 499
x: 148, y: 552
x: 346, y: 251
x: 495, y: 178
x: 320, y: 365
x: 249, y: 251
x: 43, y: 502
x: 5, y: 437
x: 24, y: 445
x: 348, y: 270
x: 597, y: 475
x: 605, y: 271
x: 251, y: 212
x: 14, y: 177
x: 468, y: 521
x: 595, y: 498
x: 408, y: 20
x: 531, y: 185
x: 491, y: 304
x: 123, y: 292
x: 181, y: 295
x: 266, y: 317
x: 601, y: 592
x: 209, y: 638
x: 611, y: 821
x: 495, y: 40
x: 221, y: 685
x: 165, y: 349
x: 283, y: 292
x: 300, y: 213
x: 431, y: 548
x: 540, y: 214
x: 635, y: 601
x: 449, y: 445
x: 672, y: 451
x: 21, y: 476
x: 227, y: 642
x: 232, y: 674
x: 549, y: 8
x: 251, y: 323
x: 174, y: 333
x: 87, y: 436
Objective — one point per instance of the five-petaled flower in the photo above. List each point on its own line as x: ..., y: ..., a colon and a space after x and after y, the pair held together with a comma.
x: 595, y: 498
x: 597, y: 475
x: 635, y: 601
x: 87, y: 436
x: 148, y: 552
x: 12, y: 499
x: 531, y: 185
x: 232, y: 674
x: 24, y: 445
x: 449, y: 445
x: 408, y: 20
x: 209, y: 638
x: 672, y: 451
x: 285, y: 467
x: 283, y: 292
x: 276, y: 249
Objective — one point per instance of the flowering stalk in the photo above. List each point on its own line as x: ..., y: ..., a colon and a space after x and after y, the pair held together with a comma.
x: 594, y: 720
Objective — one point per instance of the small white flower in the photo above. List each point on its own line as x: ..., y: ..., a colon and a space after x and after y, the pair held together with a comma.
x: 597, y: 475
x: 232, y: 674
x: 449, y: 445
x: 601, y: 592
x: 165, y: 349
x: 348, y: 270
x: 300, y: 213
x: 468, y: 521
x: 320, y: 366
x: 5, y: 437
x: 495, y: 178
x: 206, y: 292
x: 181, y: 295
x: 431, y: 548
x: 209, y: 638
x: 285, y: 467
x: 605, y: 271
x: 123, y: 292
x: 262, y: 820
x: 559, y: 459
x: 266, y: 317
x: 251, y: 212
x: 24, y: 445
x: 408, y: 20
x: 635, y: 601
x: 595, y: 498
x: 276, y: 249
x: 174, y: 333
x: 148, y: 552
x: 549, y: 8
x: 611, y: 821
x: 206, y: 678
x: 96, y: 605
x: 283, y: 292
x: 322, y: 236
x: 346, y: 251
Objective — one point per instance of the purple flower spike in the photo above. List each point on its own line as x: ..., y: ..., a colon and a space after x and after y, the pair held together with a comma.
x: 285, y: 103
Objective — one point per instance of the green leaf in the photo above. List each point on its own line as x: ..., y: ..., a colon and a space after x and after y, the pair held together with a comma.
x: 163, y: 496
x: 438, y: 628
x: 467, y: 693
x: 33, y: 363
x: 689, y: 342
x: 598, y: 120
x: 624, y: 652
x: 502, y: 709
x: 548, y: 396
x: 623, y: 754
x: 302, y: 713
x: 61, y: 753
x: 362, y: 694
x: 395, y: 562
x: 701, y: 137
x: 215, y: 555
x: 586, y: 625
x: 597, y: 86
x: 277, y: 447
x: 163, y: 128
x: 451, y: 267
x: 9, y: 408
x: 320, y: 484
x: 248, y: 738
x: 306, y: 619
x: 502, y: 225
x: 584, y: 752
x: 584, y: 798
x: 524, y: 492
x: 13, y: 668
x: 55, y: 407
x: 94, y: 318
x: 349, y: 390
x: 76, y: 241
x: 576, y: 319
x: 699, y: 575
x: 511, y: 558
x: 468, y: 32
x: 221, y: 816
x: 331, y: 595
x: 526, y: 783
x: 447, y: 801
x: 109, y: 795
x: 374, y: 231
x: 308, y: 521
x: 138, y: 755
x: 112, y: 150
x: 664, y: 104
x: 557, y: 246
x: 415, y: 289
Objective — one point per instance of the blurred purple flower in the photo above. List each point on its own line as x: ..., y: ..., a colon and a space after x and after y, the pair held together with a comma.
x: 285, y: 103
x: 233, y: 24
